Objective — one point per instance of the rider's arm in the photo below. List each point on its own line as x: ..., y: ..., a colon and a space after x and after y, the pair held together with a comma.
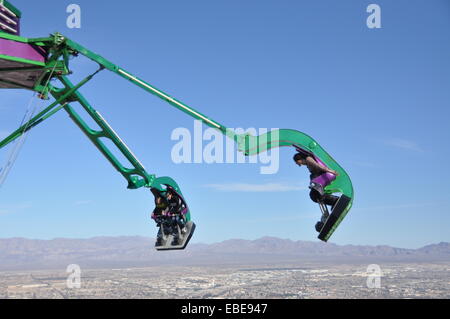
x: 179, y: 207
x: 312, y: 163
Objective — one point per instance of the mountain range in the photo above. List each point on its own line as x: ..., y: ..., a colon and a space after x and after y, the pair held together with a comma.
x: 129, y: 252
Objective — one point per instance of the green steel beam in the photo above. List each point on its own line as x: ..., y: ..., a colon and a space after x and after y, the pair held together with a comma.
x: 21, y: 60
x: 137, y: 176
x: 13, y: 37
x: 142, y: 84
x: 61, y: 96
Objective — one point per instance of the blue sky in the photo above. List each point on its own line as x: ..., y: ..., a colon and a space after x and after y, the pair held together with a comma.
x: 376, y: 99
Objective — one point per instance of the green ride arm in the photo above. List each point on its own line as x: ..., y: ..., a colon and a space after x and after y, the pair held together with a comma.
x: 60, y: 46
x: 61, y: 100
x: 137, y: 176
x: 144, y: 85
x: 252, y: 145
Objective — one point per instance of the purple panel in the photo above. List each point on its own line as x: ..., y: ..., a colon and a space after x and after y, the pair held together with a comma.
x: 324, y: 179
x: 20, y: 50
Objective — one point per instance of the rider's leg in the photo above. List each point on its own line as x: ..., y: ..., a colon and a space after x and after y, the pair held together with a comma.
x: 315, y: 196
x: 326, y: 199
x: 181, y: 223
x: 175, y: 232
x: 159, y: 237
x: 162, y: 231
x: 330, y: 200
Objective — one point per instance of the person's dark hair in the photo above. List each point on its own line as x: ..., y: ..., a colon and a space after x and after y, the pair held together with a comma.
x: 299, y: 156
x: 171, y: 191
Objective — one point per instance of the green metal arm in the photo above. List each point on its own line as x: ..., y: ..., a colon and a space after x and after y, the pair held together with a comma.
x: 63, y: 96
x: 137, y: 176
x: 278, y: 138
x: 142, y: 84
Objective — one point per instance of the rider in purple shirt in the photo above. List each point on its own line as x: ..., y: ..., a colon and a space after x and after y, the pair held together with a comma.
x: 316, y: 169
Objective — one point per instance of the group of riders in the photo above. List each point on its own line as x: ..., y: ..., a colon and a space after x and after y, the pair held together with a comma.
x: 169, y: 215
x: 170, y: 210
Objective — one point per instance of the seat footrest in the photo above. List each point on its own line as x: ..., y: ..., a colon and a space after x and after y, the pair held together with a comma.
x: 335, y: 215
x: 166, y: 243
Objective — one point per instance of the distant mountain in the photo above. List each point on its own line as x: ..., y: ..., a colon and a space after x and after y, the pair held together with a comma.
x: 441, y: 248
x: 118, y: 252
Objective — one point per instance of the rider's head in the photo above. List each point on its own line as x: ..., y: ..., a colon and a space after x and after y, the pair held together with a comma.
x: 299, y: 158
x: 169, y: 194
